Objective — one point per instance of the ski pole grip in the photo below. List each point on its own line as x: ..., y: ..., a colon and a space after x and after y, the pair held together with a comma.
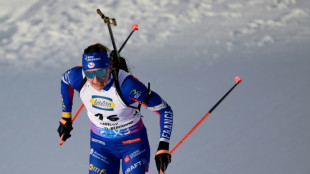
x: 62, y: 142
x: 135, y: 27
x: 238, y: 79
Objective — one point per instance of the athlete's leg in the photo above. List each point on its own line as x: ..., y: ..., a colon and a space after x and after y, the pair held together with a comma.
x: 136, y: 159
x: 101, y: 161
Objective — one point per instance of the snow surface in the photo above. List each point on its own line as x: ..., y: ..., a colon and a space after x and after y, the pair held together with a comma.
x: 190, y: 51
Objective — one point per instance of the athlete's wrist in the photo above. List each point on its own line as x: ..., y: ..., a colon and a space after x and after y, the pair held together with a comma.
x: 66, y: 114
x: 163, y: 145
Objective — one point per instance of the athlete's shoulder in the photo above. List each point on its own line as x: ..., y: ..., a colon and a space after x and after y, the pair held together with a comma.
x: 133, y: 89
x: 73, y: 77
x: 122, y: 75
x: 131, y: 82
x: 128, y: 81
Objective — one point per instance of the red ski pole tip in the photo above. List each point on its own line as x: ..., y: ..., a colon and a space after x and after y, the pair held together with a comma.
x: 135, y: 27
x: 238, y: 79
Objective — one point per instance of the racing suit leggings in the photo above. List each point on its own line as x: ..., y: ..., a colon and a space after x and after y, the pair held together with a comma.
x: 106, y: 154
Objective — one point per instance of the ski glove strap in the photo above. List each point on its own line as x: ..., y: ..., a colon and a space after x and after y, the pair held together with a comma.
x: 65, y: 127
x: 162, y: 157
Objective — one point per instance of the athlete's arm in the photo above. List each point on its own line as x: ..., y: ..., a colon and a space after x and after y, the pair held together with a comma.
x: 135, y: 91
x: 71, y: 80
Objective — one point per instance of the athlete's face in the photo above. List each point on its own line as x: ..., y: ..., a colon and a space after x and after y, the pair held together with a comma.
x: 99, y: 83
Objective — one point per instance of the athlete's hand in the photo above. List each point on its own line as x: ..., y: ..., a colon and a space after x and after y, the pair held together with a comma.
x: 162, y: 157
x: 65, y: 127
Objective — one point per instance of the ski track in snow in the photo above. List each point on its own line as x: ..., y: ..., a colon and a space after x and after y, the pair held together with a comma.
x: 51, y: 33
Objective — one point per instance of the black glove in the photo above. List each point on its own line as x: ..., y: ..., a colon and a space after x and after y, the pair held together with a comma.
x: 162, y: 157
x: 65, y: 127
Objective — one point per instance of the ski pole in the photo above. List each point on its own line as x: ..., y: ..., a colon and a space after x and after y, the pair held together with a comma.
x: 134, y: 28
x: 237, y: 81
x: 61, y: 142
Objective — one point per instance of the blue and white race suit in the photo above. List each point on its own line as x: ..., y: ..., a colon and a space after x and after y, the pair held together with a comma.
x: 117, y: 131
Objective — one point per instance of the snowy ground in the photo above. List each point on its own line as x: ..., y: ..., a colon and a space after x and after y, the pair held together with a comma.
x: 190, y: 51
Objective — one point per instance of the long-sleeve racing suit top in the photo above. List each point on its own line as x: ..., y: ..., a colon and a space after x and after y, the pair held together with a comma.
x: 109, y: 116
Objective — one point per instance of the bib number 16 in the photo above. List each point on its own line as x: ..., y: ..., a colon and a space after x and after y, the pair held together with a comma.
x: 111, y: 117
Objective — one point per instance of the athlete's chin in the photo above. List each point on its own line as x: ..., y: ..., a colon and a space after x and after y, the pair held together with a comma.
x: 98, y: 86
